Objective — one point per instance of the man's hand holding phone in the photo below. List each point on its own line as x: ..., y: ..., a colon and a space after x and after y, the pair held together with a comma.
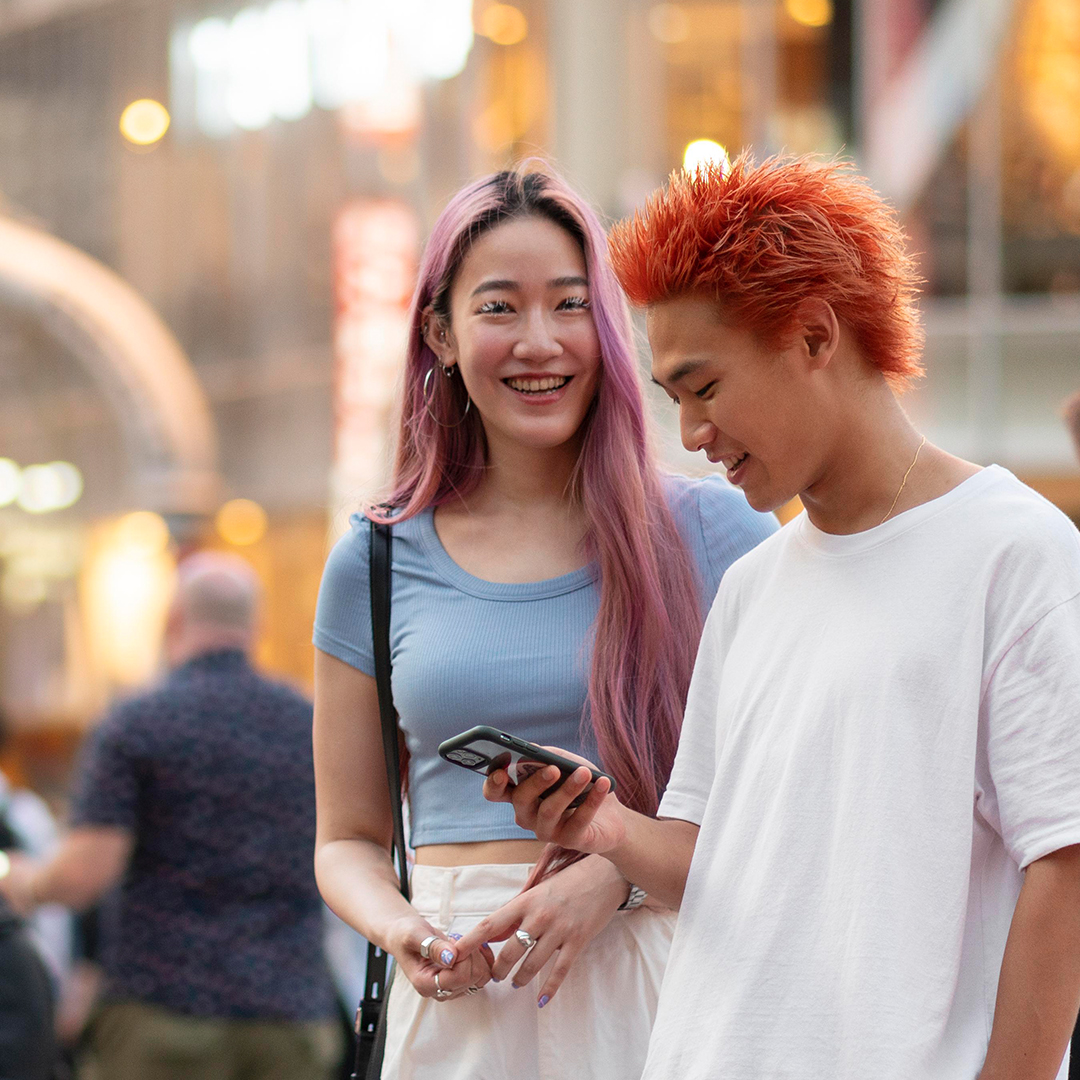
x: 596, y: 827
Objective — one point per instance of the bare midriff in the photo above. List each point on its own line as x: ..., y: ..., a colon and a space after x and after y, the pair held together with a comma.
x: 480, y: 853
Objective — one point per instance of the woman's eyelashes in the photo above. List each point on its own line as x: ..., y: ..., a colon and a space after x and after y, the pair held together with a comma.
x: 503, y: 307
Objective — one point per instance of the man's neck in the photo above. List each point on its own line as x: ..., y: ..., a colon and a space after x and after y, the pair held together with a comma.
x: 878, y: 466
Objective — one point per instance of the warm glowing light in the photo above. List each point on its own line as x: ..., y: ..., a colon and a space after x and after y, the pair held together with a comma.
x: 669, y: 23
x: 143, y: 531
x: 10, y: 481
x: 504, y: 24
x: 127, y: 583
x: 810, y: 12
x: 1049, y: 62
x: 241, y: 522
x: 702, y: 152
x: 45, y: 488
x: 144, y: 122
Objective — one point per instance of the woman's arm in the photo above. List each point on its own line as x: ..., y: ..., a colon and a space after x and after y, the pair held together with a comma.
x: 354, y: 833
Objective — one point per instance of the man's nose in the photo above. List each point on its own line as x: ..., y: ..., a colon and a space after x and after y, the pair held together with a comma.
x: 696, y: 432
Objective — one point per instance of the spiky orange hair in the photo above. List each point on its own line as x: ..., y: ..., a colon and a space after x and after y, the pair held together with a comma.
x: 763, y: 238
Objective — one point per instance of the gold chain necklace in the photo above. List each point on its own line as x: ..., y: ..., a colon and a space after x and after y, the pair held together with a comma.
x: 903, y: 482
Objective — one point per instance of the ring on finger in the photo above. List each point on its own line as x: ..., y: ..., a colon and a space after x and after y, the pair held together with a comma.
x: 525, y: 938
x: 440, y: 993
x: 425, y: 946
x: 474, y: 990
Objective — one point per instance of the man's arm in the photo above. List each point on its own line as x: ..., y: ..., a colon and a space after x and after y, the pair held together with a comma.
x: 90, y: 860
x: 1039, y: 989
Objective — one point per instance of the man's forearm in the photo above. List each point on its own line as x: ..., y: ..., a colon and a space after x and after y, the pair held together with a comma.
x: 89, y: 862
x: 1039, y: 989
x: 655, y: 855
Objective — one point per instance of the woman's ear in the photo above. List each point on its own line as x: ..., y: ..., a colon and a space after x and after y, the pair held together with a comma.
x: 438, y: 338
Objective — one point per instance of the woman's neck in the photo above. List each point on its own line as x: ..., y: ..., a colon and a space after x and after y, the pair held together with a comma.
x: 521, y: 478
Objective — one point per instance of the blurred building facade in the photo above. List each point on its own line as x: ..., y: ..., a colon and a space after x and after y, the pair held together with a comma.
x: 254, y: 260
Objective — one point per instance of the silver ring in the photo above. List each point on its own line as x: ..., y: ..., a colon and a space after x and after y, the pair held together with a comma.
x: 440, y: 993
x: 425, y: 946
x: 525, y: 938
x: 474, y: 990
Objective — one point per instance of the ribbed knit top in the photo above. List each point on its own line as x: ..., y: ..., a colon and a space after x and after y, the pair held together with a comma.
x: 466, y: 651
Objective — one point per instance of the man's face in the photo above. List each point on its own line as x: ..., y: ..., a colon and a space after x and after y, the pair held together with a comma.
x: 754, y: 409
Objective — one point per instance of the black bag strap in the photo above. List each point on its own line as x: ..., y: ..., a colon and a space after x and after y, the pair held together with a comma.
x: 371, y: 1013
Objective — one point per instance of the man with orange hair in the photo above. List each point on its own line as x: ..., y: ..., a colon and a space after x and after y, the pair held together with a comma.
x: 872, y: 828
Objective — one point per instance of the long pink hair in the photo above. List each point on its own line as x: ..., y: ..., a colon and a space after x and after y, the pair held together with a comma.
x: 649, y: 620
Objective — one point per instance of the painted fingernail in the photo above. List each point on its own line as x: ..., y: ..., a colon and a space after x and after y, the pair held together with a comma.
x: 493, y: 979
x: 454, y: 937
x: 447, y: 957
x: 516, y: 986
x: 543, y: 1001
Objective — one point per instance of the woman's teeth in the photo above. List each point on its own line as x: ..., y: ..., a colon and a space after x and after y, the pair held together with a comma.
x: 732, y: 463
x: 537, y: 386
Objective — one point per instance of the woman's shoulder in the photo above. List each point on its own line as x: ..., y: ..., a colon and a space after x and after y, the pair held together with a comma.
x: 716, y: 522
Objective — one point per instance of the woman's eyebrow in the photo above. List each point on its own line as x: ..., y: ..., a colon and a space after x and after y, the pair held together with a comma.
x: 494, y: 285
x: 565, y: 282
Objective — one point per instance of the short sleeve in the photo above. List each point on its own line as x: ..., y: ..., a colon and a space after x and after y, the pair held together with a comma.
x: 695, y: 762
x: 1028, y: 771
x: 107, y: 784
x: 719, y: 526
x: 343, y: 612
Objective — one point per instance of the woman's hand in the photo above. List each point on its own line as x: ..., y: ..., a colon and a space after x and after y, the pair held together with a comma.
x: 562, y: 915
x: 597, y: 826
x: 405, y: 938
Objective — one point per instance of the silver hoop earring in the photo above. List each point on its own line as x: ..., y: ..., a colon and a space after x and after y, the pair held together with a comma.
x: 448, y: 372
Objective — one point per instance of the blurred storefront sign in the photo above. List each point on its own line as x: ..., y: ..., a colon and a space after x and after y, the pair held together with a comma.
x: 375, y: 245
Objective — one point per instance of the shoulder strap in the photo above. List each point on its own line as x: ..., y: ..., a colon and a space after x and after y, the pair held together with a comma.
x: 371, y: 1015
x: 381, y: 540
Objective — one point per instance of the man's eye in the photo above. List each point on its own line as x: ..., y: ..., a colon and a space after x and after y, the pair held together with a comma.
x: 704, y: 391
x: 575, y: 303
x: 494, y: 307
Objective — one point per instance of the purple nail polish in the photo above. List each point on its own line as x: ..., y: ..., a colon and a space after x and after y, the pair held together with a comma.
x: 515, y: 986
x: 493, y: 979
x: 543, y: 1001
x: 454, y: 937
x: 447, y: 957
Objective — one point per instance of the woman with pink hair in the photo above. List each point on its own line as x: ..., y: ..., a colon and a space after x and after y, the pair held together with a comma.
x: 547, y: 580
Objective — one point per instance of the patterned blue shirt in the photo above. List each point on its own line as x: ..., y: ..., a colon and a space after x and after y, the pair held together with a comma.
x: 218, y: 914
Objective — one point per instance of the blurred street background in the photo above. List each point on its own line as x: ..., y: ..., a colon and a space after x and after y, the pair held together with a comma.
x: 211, y: 211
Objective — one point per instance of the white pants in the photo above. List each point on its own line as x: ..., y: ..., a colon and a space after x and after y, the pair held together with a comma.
x: 595, y: 1028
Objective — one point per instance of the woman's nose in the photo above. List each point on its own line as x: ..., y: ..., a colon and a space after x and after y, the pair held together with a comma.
x: 696, y: 432
x: 537, y: 341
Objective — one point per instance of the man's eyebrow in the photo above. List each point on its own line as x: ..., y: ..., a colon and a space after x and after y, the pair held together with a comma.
x: 682, y: 371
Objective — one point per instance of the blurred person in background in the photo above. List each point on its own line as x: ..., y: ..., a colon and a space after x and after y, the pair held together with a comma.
x: 28, y: 1049
x: 548, y: 580
x: 196, y: 799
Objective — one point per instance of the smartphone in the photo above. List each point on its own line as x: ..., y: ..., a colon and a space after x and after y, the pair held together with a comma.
x: 486, y: 749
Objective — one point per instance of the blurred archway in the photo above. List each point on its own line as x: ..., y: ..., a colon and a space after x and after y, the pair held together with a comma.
x: 167, y: 425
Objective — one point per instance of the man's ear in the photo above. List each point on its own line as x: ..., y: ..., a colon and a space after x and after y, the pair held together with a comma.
x: 819, y: 331
x: 438, y: 338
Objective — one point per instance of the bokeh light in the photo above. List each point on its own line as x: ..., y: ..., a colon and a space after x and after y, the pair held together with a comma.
x: 669, y: 23
x: 241, y: 522
x: 810, y: 12
x: 702, y: 152
x: 142, y: 531
x: 144, y: 122
x: 10, y: 481
x: 504, y: 24
x: 44, y: 488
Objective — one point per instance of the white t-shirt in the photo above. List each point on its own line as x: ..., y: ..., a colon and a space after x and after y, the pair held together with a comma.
x: 882, y: 730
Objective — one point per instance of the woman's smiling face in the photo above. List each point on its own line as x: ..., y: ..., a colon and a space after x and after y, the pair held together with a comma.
x: 522, y: 333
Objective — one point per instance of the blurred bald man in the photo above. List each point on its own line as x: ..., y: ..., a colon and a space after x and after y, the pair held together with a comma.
x: 194, y: 812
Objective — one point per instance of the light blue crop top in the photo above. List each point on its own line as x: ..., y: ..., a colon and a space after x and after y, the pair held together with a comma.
x: 515, y: 656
